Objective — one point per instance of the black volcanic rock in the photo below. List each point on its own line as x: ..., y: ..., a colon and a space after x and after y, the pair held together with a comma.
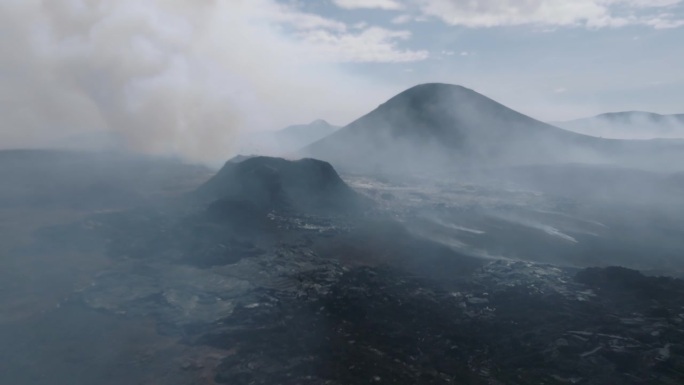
x: 265, y: 183
x: 512, y: 324
x: 622, y: 282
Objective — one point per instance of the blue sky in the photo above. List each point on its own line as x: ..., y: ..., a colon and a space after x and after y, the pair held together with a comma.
x: 189, y: 76
x: 556, y: 64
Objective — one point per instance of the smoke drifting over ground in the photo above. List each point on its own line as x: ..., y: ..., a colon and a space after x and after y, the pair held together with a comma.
x: 440, y: 238
x: 629, y: 125
x: 182, y: 77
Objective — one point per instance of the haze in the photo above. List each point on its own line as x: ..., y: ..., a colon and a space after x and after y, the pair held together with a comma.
x: 259, y: 192
x: 185, y: 79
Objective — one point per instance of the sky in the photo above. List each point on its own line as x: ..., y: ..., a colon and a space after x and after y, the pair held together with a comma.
x: 189, y: 76
x: 552, y: 59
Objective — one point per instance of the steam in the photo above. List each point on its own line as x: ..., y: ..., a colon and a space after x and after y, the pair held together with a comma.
x: 630, y: 125
x: 182, y: 77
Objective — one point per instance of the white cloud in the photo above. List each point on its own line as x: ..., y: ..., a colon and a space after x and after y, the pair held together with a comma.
x: 586, y: 13
x: 560, y: 90
x: 371, y: 45
x: 274, y: 12
x: 333, y: 41
x: 380, y: 4
x: 658, y: 14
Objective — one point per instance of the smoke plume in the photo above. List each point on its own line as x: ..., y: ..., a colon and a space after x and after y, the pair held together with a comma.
x: 162, y: 77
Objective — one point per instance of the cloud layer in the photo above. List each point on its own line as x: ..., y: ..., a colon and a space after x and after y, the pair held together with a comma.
x: 359, y: 4
x: 188, y: 76
x: 589, y: 13
x: 554, y: 13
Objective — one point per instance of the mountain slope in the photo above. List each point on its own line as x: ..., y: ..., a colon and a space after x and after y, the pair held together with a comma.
x: 440, y: 126
x: 273, y: 183
x: 629, y: 125
x: 437, y: 124
x: 300, y: 135
x: 285, y: 141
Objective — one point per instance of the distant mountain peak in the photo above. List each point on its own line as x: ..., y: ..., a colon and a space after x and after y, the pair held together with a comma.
x: 628, y: 114
x: 286, y: 140
x: 629, y: 125
x: 632, y: 112
x: 431, y: 91
x: 435, y: 86
x: 444, y: 123
x: 319, y: 122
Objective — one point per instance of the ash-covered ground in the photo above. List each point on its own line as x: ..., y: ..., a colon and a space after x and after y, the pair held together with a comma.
x: 277, y: 272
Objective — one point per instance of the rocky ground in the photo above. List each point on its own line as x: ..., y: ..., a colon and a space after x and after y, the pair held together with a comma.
x: 291, y: 316
x: 256, y: 292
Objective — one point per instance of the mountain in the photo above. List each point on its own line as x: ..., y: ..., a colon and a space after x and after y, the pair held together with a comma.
x: 83, y: 180
x: 629, y: 125
x: 436, y: 127
x: 300, y: 135
x: 264, y: 183
x: 284, y: 141
x: 439, y: 124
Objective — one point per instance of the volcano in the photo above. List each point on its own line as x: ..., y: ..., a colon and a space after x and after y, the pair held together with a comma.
x: 440, y: 126
x: 267, y: 183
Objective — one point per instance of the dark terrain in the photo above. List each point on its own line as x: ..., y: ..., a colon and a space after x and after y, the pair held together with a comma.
x: 463, y: 244
x: 278, y: 272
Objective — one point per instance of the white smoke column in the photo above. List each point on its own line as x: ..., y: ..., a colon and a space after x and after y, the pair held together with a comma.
x: 168, y: 77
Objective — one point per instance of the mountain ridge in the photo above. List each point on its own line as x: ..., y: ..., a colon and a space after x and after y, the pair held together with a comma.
x: 620, y: 114
x: 445, y: 123
x: 438, y: 127
x: 629, y: 125
x: 285, y: 140
x: 274, y: 183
